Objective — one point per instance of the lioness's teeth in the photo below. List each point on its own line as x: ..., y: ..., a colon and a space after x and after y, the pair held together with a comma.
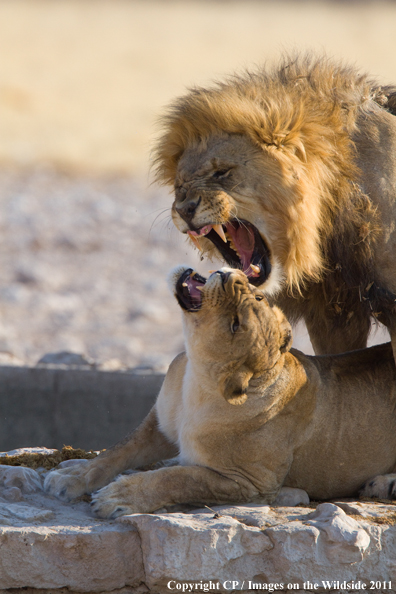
x: 220, y: 231
x: 184, y: 285
x: 255, y: 268
x: 195, y: 242
x: 199, y: 288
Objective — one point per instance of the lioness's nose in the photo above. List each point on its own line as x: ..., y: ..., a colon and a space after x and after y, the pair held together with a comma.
x: 188, y: 208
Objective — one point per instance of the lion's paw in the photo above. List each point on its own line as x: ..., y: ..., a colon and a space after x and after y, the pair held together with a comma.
x: 67, y: 483
x: 382, y: 486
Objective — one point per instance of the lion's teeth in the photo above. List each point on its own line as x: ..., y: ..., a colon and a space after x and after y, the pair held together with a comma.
x: 255, y: 268
x: 234, y: 247
x: 220, y: 231
x: 184, y: 285
x: 199, y: 288
x: 195, y: 242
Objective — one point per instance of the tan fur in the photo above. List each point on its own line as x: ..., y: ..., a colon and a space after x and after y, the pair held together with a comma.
x: 312, y: 150
x: 247, y: 416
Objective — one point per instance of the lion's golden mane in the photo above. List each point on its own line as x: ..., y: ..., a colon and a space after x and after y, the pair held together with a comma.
x: 304, y: 113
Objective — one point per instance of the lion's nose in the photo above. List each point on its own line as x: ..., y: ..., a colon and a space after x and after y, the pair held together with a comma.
x: 188, y: 208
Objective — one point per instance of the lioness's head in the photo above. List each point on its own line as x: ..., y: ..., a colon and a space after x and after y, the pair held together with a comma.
x: 230, y: 326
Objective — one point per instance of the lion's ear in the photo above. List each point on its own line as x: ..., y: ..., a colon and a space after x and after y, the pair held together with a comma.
x: 286, y: 335
x: 235, y: 386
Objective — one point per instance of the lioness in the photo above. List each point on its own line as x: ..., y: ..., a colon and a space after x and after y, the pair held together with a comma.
x: 247, y: 416
x: 290, y: 175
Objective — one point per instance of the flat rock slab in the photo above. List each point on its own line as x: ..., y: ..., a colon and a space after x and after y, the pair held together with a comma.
x: 46, y: 545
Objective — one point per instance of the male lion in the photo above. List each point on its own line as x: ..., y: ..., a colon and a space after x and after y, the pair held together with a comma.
x: 290, y: 175
x: 246, y: 416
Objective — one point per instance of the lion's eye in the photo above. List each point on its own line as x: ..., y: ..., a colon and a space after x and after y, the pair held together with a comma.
x: 235, y: 325
x: 259, y: 297
x: 221, y: 173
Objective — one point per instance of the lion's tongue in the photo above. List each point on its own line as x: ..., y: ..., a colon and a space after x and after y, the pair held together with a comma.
x: 243, y: 239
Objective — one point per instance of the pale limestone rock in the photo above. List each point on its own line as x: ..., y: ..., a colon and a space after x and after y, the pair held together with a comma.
x: 20, y: 451
x: 25, y: 479
x: 344, y: 540
x: 73, y: 462
x: 85, y: 559
x: 199, y: 546
x: 290, y: 497
x: 48, y: 545
x: 354, y: 508
x: 12, y: 494
x: 319, y: 546
x: 16, y: 511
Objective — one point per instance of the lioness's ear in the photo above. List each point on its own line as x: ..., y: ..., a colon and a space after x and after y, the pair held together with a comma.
x: 285, y: 330
x: 235, y: 387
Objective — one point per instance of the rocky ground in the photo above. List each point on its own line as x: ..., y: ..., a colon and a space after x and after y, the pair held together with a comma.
x: 83, y: 268
x: 313, y: 547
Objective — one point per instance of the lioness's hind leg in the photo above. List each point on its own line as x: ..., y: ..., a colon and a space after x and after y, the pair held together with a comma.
x: 382, y: 486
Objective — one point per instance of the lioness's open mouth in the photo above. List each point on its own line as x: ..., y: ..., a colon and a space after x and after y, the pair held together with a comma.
x: 188, y: 291
x: 241, y: 246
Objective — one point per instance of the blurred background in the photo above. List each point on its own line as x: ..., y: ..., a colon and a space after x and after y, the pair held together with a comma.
x: 86, y: 240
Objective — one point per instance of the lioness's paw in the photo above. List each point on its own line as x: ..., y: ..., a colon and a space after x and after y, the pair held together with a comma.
x: 67, y: 483
x: 382, y: 486
x: 118, y: 499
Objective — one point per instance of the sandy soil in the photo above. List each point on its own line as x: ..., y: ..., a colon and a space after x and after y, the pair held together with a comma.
x: 83, y: 258
x: 83, y: 267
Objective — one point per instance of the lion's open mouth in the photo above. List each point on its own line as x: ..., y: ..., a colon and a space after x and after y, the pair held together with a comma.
x: 241, y: 246
x: 188, y: 291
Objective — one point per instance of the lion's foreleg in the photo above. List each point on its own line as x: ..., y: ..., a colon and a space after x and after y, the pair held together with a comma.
x: 144, y: 445
x: 329, y: 336
x: 392, y: 332
x: 148, y: 491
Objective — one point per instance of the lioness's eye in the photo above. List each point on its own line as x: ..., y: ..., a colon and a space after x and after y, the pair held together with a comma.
x: 221, y: 173
x: 235, y: 325
x: 259, y: 297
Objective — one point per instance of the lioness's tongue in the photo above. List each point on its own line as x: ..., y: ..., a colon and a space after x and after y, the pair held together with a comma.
x: 192, y: 285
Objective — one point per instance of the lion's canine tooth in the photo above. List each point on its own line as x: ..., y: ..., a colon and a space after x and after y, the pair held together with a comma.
x: 255, y: 268
x: 220, y: 231
x: 195, y: 242
x: 199, y: 288
x: 184, y: 285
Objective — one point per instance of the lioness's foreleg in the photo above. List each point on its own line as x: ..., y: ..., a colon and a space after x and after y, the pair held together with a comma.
x: 148, y: 491
x: 145, y: 445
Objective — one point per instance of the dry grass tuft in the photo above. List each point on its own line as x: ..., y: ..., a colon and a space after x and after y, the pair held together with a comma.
x: 47, y: 461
